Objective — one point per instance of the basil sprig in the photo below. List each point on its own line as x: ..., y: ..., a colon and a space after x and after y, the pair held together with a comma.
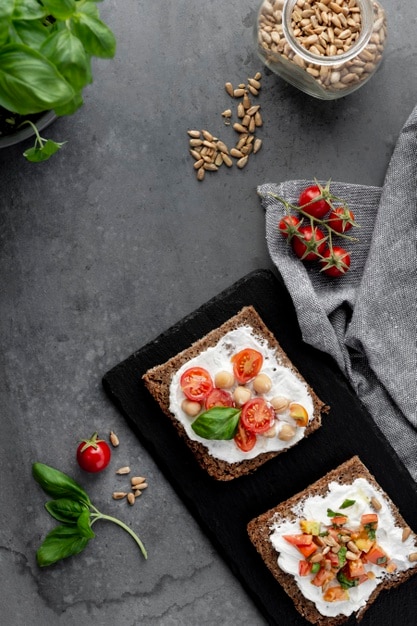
x: 72, y: 507
x: 220, y: 422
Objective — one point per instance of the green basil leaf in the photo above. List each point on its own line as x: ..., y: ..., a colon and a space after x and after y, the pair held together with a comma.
x: 84, y: 526
x: 70, y: 106
x: 61, y: 9
x: 6, y: 11
x: 96, y: 37
x: 65, y: 510
x: 347, y: 503
x: 60, y: 543
x: 345, y: 582
x: 220, y: 422
x: 28, y: 10
x: 32, y: 34
x: 67, y: 53
x: 29, y: 83
x: 37, y: 153
x: 57, y: 484
x: 331, y: 513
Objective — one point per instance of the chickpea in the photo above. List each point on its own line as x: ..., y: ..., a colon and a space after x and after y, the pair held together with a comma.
x: 224, y: 380
x: 287, y: 432
x: 190, y: 408
x: 280, y: 403
x: 271, y: 432
x: 241, y: 395
x: 262, y: 383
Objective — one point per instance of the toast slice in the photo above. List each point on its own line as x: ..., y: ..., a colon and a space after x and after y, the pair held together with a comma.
x: 399, y: 542
x: 159, y: 382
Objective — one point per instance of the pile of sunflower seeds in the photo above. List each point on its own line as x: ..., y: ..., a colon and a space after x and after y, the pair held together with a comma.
x: 209, y: 152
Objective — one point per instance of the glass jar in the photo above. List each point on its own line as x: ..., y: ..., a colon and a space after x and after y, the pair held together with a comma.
x: 326, y: 48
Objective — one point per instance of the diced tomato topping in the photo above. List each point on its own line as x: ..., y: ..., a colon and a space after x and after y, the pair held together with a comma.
x: 333, y: 558
x: 369, y: 518
x: 304, y: 568
x: 307, y: 550
x: 355, y: 568
x: 339, y: 520
x: 333, y: 594
x: 322, y: 577
x: 299, y: 540
x: 377, y: 556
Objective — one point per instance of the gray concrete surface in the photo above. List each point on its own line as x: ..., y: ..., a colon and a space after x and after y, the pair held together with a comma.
x: 113, y: 241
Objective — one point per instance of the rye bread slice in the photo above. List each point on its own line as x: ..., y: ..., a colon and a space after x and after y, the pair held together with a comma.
x: 261, y: 528
x: 158, y: 380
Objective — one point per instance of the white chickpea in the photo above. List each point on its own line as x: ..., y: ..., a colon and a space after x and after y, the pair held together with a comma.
x: 262, y: 383
x: 241, y: 395
x: 287, y: 432
x: 271, y: 432
x: 190, y: 408
x: 224, y: 380
x: 280, y: 403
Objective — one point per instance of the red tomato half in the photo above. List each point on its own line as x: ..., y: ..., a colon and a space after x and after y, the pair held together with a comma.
x: 218, y: 397
x: 93, y: 455
x: 246, y: 364
x: 244, y: 439
x: 309, y: 243
x: 196, y: 383
x: 257, y: 416
x: 309, y: 203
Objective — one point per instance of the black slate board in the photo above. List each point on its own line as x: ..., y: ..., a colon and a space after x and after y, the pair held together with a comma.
x: 223, y: 509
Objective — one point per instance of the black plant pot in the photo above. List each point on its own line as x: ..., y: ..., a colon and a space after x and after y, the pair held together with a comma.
x: 26, y: 131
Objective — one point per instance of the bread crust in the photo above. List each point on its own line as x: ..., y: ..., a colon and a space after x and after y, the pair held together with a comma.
x: 260, y: 530
x: 158, y: 380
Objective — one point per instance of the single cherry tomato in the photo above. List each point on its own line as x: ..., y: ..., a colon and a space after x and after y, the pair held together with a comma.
x: 94, y: 454
x: 257, y: 416
x: 335, y: 262
x: 309, y: 243
x: 341, y: 219
x: 196, y: 383
x: 218, y: 397
x: 299, y: 414
x: 246, y: 364
x: 288, y: 226
x: 244, y: 439
x: 309, y: 202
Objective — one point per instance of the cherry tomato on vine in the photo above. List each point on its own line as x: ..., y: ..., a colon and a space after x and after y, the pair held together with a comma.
x: 246, y: 364
x: 341, y: 219
x: 308, y: 202
x: 244, y: 439
x: 196, y: 383
x: 309, y: 243
x: 335, y: 262
x: 218, y: 397
x: 94, y: 454
x: 257, y: 416
x: 288, y: 225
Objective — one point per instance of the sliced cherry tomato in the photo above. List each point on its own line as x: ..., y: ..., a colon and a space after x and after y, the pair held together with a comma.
x: 288, y: 226
x: 94, y: 454
x: 299, y: 414
x: 341, y: 219
x: 309, y: 243
x: 244, y: 439
x: 218, y: 397
x: 257, y: 416
x: 196, y: 383
x: 246, y: 364
x: 310, y: 203
x: 335, y: 262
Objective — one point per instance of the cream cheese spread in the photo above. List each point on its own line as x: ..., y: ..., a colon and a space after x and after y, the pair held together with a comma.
x: 284, y: 383
x: 389, y: 537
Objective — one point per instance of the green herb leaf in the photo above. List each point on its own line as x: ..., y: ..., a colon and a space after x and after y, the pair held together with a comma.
x: 220, y: 422
x: 65, y: 510
x: 57, y: 484
x: 331, y: 513
x: 371, y: 530
x: 347, y: 503
x: 341, y: 555
x: 28, y: 10
x: 62, y: 9
x: 345, y: 582
x: 67, y: 53
x: 95, y: 35
x: 83, y: 525
x: 60, y: 543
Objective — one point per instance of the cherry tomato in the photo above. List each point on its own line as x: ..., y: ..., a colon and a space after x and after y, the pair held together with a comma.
x: 335, y: 263
x: 309, y: 243
x: 196, y: 383
x: 257, y: 416
x: 288, y: 225
x: 94, y: 454
x: 308, y: 202
x: 341, y: 219
x: 244, y: 439
x: 218, y: 397
x: 246, y: 364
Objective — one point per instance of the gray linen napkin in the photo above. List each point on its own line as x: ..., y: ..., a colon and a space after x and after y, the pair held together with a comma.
x: 367, y: 319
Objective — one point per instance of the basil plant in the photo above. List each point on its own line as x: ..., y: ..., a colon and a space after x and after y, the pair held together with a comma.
x: 46, y: 47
